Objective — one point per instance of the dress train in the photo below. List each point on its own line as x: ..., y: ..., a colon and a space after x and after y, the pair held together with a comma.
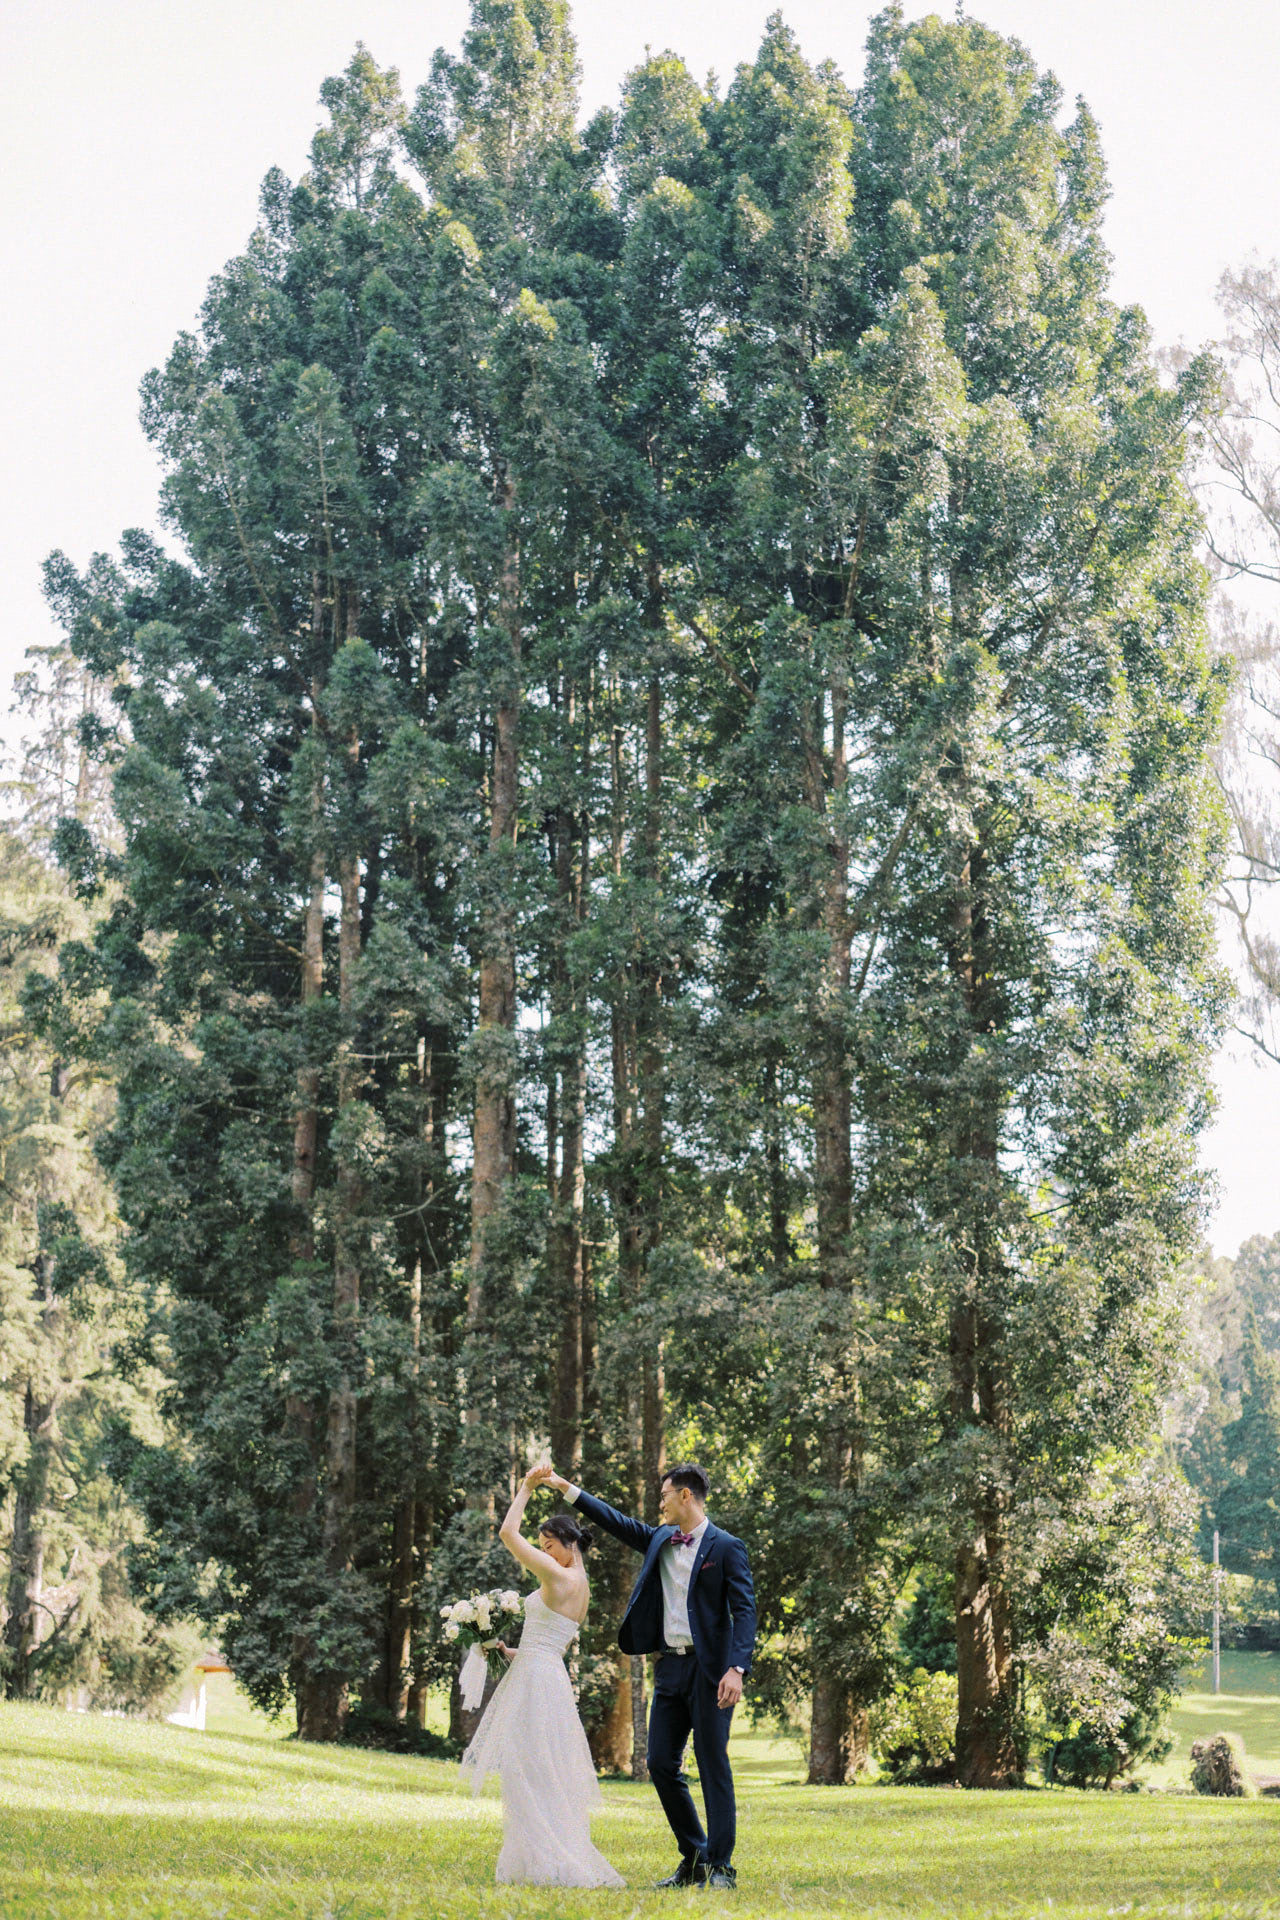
x: 532, y: 1738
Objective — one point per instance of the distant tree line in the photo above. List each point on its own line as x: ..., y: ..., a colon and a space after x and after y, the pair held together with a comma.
x: 667, y: 833
x: 73, y: 1372
x: 1228, y: 1432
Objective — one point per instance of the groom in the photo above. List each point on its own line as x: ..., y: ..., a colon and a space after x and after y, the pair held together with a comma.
x: 694, y: 1606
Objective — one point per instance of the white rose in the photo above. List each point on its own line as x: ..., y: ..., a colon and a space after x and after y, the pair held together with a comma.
x: 511, y: 1600
x: 446, y: 1613
x: 451, y: 1632
x: 484, y: 1615
x: 464, y: 1612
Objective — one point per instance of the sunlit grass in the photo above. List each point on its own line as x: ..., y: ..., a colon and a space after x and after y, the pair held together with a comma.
x: 104, y: 1819
x: 1248, y: 1705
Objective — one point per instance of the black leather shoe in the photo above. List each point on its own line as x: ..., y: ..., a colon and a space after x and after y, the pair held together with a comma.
x: 690, y: 1873
x: 721, y: 1879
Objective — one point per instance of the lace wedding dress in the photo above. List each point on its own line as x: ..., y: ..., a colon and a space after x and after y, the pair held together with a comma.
x: 532, y: 1738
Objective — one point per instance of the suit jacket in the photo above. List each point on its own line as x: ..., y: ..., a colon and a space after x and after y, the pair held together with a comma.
x: 722, y: 1602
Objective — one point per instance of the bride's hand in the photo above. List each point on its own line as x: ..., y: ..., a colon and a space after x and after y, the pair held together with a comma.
x: 508, y: 1653
x: 538, y: 1476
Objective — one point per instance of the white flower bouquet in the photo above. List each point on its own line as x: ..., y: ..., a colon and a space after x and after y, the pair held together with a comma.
x: 479, y: 1623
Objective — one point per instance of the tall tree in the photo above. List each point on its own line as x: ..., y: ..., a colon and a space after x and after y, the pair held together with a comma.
x: 70, y: 1376
x: 1053, y: 932
x: 665, y: 842
x: 1239, y: 431
x: 838, y: 422
x: 268, y: 1127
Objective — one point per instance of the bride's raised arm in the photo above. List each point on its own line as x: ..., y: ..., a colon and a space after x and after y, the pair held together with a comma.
x: 513, y: 1539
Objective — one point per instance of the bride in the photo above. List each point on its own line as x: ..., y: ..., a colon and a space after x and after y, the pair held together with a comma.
x: 531, y: 1736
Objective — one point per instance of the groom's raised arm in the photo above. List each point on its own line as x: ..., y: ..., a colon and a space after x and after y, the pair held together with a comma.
x: 632, y: 1533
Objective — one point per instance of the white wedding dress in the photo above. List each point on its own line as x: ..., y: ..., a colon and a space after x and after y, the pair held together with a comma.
x: 532, y: 1738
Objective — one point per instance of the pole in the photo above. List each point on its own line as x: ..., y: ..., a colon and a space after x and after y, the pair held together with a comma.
x: 1217, y: 1618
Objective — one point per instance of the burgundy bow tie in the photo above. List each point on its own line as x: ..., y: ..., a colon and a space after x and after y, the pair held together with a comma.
x: 679, y: 1539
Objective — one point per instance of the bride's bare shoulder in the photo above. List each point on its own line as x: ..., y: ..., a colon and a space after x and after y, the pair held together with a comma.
x: 571, y: 1598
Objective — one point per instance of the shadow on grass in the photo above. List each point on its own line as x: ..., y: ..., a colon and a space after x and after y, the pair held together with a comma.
x: 169, y: 1776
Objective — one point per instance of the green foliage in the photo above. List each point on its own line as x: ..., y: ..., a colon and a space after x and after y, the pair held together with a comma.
x: 1112, y: 1627
x: 913, y: 1730
x: 69, y: 1372
x: 689, y: 667
x: 1230, y: 1439
x: 1246, y: 1508
x: 927, y: 1635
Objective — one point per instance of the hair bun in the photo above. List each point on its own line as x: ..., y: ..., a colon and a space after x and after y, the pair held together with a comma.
x: 568, y: 1530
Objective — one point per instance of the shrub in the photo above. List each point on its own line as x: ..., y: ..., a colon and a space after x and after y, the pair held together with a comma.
x: 116, y: 1658
x: 1106, y: 1716
x: 927, y: 1634
x: 1217, y: 1767
x: 913, y: 1730
x: 370, y: 1725
x: 595, y: 1677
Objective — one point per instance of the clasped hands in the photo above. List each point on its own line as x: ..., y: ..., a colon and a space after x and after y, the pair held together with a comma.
x: 544, y: 1475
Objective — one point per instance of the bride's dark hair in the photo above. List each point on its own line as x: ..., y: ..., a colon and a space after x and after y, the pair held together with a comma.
x: 564, y: 1528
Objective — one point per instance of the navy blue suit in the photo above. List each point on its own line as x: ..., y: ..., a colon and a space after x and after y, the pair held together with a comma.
x: 722, y: 1624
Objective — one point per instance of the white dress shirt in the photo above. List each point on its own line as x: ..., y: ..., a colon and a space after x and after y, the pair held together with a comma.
x: 676, y: 1568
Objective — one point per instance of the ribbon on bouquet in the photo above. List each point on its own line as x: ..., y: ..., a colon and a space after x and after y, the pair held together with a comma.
x: 471, y: 1681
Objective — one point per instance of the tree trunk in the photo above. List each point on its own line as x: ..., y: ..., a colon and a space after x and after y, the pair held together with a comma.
x: 639, y: 1719
x: 839, y: 1736
x: 612, y: 1740
x: 567, y: 1118
x: 986, y: 1747
x: 837, y: 1748
x: 330, y: 1702
x: 299, y: 1411
x: 494, y: 1150
x: 306, y: 1111
x: 638, y: 1117
x: 400, y: 1607
x: 404, y: 1542
x: 328, y: 1699
x: 986, y: 1753
x: 415, y: 1704
x: 650, y: 1061
x: 780, y: 1247
x: 306, y: 1114
x: 832, y: 1093
x: 23, y: 1628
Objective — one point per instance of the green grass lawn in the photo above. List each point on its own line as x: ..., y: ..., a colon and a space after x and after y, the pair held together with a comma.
x: 1248, y: 1705
x: 106, y: 1819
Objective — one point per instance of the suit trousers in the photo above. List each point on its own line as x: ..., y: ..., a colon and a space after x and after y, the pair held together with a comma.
x: 684, y: 1702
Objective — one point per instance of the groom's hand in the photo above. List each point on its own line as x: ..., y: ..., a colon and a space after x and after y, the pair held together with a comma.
x: 730, y: 1689
x: 558, y: 1481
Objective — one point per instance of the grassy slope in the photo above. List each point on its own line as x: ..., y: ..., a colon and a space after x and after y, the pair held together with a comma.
x: 1249, y: 1705
x: 105, y: 1819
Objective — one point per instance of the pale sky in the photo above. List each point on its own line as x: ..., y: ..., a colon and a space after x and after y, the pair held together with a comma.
x: 134, y: 135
